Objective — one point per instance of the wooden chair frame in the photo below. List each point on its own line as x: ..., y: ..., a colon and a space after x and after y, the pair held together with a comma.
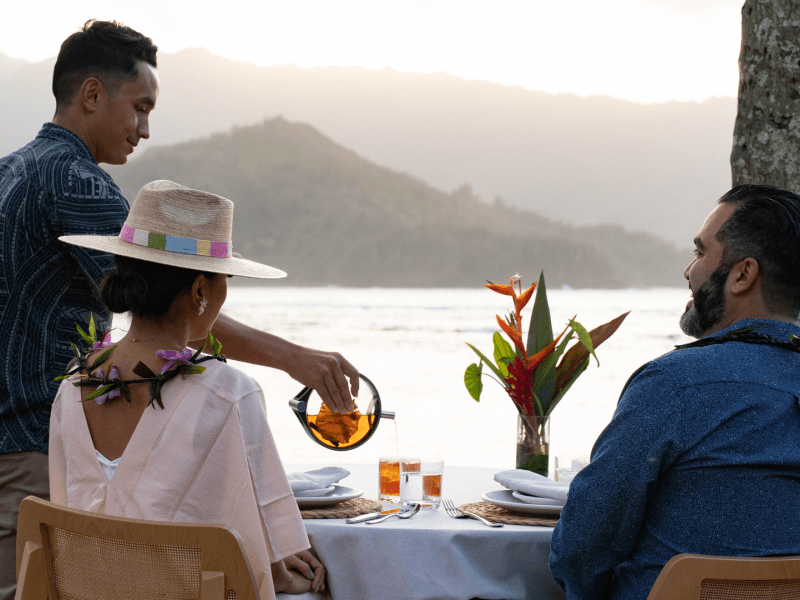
x: 223, y: 561
x: 682, y: 577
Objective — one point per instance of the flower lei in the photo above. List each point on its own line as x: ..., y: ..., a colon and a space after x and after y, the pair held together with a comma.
x: 182, y: 362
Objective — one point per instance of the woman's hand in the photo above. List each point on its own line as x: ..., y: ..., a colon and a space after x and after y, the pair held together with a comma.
x: 299, y: 573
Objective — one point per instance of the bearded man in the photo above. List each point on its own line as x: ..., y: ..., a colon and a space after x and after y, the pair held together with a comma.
x: 703, y: 452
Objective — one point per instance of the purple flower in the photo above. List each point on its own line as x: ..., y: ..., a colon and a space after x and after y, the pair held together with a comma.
x: 113, y: 375
x: 104, y: 342
x: 175, y: 358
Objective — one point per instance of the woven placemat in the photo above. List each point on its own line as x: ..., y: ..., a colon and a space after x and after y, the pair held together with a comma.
x: 343, y: 510
x: 501, y: 515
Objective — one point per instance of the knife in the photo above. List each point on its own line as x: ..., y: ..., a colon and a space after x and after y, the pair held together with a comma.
x: 370, y: 516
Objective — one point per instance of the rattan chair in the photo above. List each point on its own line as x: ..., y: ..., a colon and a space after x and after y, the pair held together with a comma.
x: 697, y: 577
x: 67, y: 553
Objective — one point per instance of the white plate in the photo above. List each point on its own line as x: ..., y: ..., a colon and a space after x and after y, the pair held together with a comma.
x: 339, y: 494
x: 527, y: 498
x: 318, y: 493
x: 504, y: 499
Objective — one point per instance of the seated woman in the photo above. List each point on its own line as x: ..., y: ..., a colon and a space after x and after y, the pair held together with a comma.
x: 139, y: 430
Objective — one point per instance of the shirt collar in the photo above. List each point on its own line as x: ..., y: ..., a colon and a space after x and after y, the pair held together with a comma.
x: 766, y: 326
x: 56, y: 132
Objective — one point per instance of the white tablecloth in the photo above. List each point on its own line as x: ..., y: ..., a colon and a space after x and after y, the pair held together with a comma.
x: 431, y: 555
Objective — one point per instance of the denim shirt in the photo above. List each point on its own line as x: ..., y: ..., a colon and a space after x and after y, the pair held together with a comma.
x: 701, y: 456
x: 49, y: 188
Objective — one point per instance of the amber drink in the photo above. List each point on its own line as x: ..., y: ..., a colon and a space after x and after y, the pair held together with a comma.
x: 389, y: 476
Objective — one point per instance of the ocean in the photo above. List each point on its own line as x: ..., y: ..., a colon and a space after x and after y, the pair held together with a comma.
x: 412, y: 344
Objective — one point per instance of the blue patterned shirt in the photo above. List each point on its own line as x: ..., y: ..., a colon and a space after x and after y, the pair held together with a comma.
x: 51, y: 187
x: 702, y: 456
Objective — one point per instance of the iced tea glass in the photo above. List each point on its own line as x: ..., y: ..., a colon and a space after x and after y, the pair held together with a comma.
x: 423, y: 485
x: 389, y: 476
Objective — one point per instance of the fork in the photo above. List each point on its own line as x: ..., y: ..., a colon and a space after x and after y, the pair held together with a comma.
x: 452, y: 511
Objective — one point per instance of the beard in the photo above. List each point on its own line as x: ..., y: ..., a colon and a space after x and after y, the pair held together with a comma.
x: 708, y: 306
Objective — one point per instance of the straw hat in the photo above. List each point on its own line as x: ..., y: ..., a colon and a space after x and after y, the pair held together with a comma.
x: 174, y: 225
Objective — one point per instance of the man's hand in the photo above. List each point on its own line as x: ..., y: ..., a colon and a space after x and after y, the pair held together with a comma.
x: 327, y: 373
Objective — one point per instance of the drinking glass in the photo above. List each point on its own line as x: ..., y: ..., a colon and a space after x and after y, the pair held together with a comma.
x: 422, y: 483
x: 568, y: 466
x: 389, y: 476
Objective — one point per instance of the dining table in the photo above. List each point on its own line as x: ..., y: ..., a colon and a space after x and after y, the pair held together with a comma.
x: 431, y: 556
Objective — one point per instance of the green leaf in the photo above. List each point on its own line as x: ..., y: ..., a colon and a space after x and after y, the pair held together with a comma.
x: 192, y: 369
x: 102, y: 358
x: 503, y: 353
x: 539, y: 408
x: 198, y: 352
x: 544, y: 382
x: 584, y: 338
x: 575, y: 356
x: 126, y: 393
x: 75, y: 350
x: 540, y: 332
x: 101, y: 390
x: 472, y: 379
x: 92, y: 328
x: 86, y: 337
x: 215, y: 345
x: 581, y: 368
x: 489, y: 363
x: 60, y: 377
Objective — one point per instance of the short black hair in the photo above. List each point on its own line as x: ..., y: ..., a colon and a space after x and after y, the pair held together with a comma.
x: 766, y: 227
x: 107, y: 50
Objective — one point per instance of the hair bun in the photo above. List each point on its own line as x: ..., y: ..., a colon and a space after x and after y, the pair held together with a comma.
x: 123, y: 291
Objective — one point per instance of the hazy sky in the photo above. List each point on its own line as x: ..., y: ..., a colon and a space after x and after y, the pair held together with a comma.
x: 642, y: 50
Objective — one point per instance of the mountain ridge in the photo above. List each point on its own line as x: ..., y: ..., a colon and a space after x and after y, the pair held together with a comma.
x: 583, y: 160
x: 328, y: 216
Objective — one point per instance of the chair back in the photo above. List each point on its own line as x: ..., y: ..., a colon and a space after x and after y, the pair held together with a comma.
x: 698, y: 577
x: 68, y: 553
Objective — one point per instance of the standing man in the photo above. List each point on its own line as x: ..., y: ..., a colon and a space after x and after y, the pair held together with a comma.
x: 703, y: 452
x: 105, y: 83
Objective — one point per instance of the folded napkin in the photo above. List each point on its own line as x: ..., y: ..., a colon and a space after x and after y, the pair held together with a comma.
x: 533, y: 484
x: 318, y: 481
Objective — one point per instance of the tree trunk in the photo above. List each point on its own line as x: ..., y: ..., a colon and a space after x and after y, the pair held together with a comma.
x: 766, y: 138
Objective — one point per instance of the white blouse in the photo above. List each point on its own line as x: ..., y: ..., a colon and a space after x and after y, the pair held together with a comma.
x: 207, y: 457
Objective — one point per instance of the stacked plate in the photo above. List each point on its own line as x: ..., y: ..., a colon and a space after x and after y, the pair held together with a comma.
x: 523, y: 503
x: 338, y: 494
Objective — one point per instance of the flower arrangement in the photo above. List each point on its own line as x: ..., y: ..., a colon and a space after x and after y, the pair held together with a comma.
x: 531, y: 372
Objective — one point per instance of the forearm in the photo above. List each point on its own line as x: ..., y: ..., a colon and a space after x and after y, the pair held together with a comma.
x: 247, y: 344
x: 326, y: 372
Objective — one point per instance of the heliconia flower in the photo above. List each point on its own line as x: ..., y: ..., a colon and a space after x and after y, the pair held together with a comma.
x: 113, y: 375
x: 524, y: 298
x: 512, y: 333
x: 537, y: 359
x: 506, y: 290
x: 175, y: 358
x: 104, y: 342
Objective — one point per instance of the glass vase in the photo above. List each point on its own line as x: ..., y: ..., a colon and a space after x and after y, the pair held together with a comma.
x: 533, y: 444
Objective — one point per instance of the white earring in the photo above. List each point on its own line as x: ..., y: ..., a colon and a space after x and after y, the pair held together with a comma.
x: 203, y: 303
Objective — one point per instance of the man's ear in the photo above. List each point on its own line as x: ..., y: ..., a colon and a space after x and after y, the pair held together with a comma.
x: 743, y: 276
x: 89, y: 94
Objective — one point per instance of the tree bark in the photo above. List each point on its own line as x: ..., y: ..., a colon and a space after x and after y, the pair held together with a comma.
x: 766, y: 137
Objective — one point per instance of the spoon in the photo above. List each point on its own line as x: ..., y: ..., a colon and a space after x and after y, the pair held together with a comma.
x: 403, y: 514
